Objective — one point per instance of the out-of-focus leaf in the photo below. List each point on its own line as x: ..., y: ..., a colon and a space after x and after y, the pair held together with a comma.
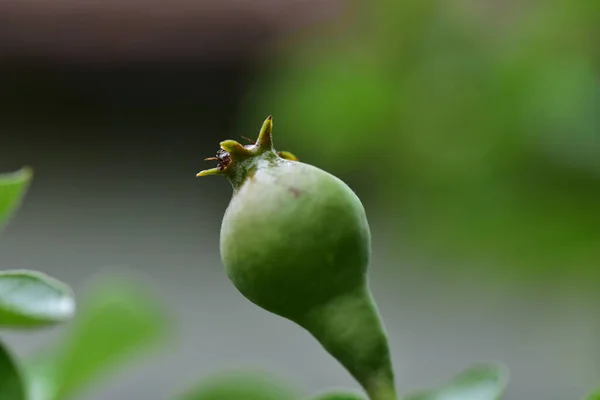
x: 479, y: 382
x: 333, y: 107
x: 39, y: 376
x: 12, y: 189
x: 11, y: 384
x: 339, y: 395
x: 239, y: 385
x: 563, y: 105
x: 32, y: 299
x: 595, y: 395
x: 118, y: 318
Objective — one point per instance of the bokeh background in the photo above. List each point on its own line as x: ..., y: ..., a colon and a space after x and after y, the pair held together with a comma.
x: 470, y: 130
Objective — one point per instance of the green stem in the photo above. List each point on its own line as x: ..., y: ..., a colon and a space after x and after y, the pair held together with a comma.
x: 382, y: 388
x: 350, y: 329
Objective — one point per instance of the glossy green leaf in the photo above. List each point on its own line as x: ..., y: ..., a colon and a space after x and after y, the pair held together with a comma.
x: 241, y: 385
x: 118, y: 319
x: 11, y: 384
x: 479, y: 382
x: 339, y: 395
x: 32, y: 299
x: 12, y: 189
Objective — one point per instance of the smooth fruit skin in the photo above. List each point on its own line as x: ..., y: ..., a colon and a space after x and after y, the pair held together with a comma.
x: 294, y: 237
x: 295, y: 240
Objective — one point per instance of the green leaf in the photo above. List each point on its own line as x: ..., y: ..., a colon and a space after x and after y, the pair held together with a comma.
x: 11, y: 384
x: 479, y: 382
x: 241, y: 385
x: 12, y: 189
x: 339, y: 395
x: 33, y: 299
x: 117, y: 320
x: 594, y: 395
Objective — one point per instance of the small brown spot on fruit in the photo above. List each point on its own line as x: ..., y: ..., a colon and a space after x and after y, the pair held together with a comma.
x: 295, y: 191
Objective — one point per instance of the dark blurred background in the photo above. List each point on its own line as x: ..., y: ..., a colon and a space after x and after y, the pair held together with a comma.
x: 470, y: 130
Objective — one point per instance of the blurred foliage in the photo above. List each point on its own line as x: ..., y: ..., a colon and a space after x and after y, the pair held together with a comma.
x: 11, y: 385
x: 13, y: 187
x: 339, y: 395
x: 477, y: 125
x: 247, y: 385
x: 28, y: 298
x: 118, y: 320
x: 479, y: 382
x: 595, y: 395
x: 31, y: 299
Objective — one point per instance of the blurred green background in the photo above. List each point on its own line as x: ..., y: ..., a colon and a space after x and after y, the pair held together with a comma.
x: 479, y: 128
x: 471, y: 131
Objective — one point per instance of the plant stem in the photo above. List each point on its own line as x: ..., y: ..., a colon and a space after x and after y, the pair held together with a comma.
x: 381, y: 388
x: 350, y: 329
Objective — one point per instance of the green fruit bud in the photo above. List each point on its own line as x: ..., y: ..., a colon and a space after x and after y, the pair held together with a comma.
x: 295, y: 241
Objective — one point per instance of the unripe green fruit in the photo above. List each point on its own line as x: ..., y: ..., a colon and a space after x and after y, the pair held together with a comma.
x: 295, y: 241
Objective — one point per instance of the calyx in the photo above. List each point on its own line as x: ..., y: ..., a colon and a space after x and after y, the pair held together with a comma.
x: 232, y: 155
